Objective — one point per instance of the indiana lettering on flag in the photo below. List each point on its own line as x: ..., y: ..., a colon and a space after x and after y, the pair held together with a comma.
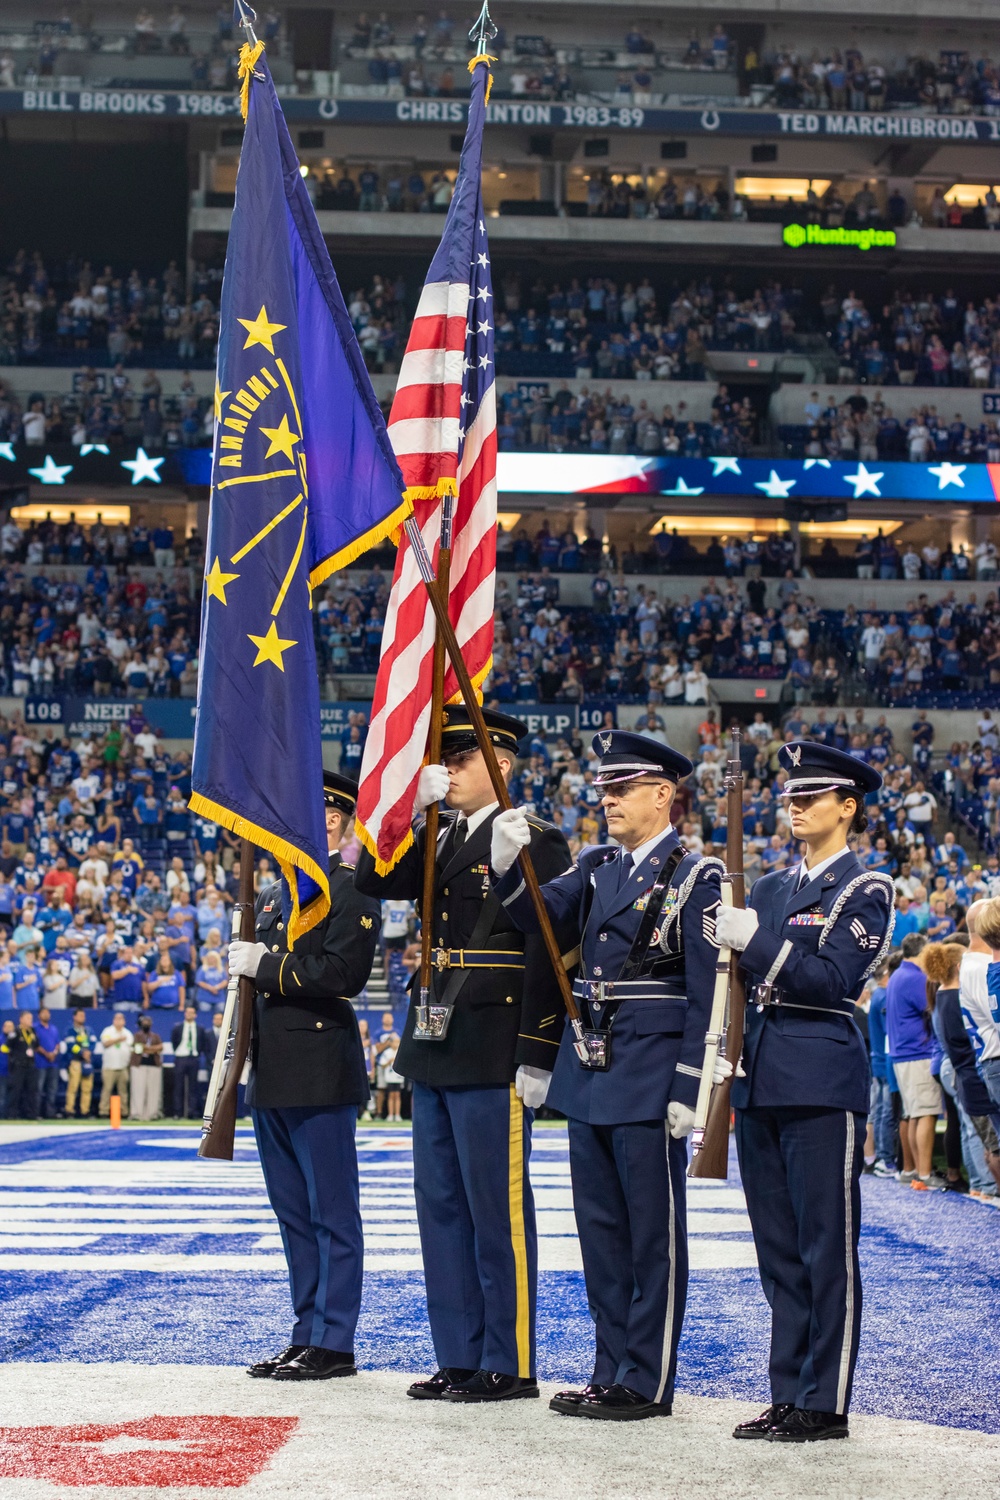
x: 443, y: 429
x: 303, y: 479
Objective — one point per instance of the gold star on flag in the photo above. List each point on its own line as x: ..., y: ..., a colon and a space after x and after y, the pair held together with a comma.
x: 270, y: 647
x: 260, y: 331
x: 220, y: 396
x: 216, y: 580
x: 282, y: 440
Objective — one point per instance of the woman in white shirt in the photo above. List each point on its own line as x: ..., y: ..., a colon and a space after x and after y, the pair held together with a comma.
x: 54, y: 984
x: 84, y: 985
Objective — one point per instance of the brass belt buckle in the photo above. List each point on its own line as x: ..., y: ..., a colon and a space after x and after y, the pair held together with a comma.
x: 441, y: 959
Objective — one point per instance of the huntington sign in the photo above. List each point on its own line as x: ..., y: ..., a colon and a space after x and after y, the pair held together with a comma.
x: 797, y: 235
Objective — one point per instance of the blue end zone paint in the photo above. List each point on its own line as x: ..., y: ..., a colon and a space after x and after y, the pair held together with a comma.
x: 928, y: 1349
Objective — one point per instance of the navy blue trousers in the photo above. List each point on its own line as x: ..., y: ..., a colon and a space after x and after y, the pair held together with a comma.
x: 629, y: 1193
x: 477, y: 1226
x: 311, y: 1171
x: 801, y: 1171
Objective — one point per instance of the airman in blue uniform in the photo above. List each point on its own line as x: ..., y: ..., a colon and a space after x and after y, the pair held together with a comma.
x: 809, y: 938
x: 644, y: 916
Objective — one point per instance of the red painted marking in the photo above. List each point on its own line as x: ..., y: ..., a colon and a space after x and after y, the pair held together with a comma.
x: 215, y: 1451
x: 994, y: 472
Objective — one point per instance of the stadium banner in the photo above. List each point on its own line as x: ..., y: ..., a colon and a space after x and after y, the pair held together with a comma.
x: 699, y: 119
x: 173, y: 718
x: 558, y: 473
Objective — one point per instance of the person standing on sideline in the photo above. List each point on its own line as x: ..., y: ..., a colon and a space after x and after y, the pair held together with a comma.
x: 644, y: 917
x: 809, y: 939
x: 78, y: 1047
x: 22, y: 1075
x: 116, y: 1049
x: 47, y: 1064
x: 308, y: 1079
x: 978, y: 987
x: 475, y: 1087
x: 146, y: 1075
x: 911, y: 1048
x: 190, y: 1045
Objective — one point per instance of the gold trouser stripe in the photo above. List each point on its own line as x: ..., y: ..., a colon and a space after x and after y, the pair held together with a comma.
x: 518, y: 1243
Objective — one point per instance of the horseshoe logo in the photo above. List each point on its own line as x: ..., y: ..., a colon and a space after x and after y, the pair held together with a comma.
x: 710, y: 119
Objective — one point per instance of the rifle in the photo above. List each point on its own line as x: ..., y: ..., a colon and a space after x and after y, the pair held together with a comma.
x: 218, y: 1126
x: 710, y: 1138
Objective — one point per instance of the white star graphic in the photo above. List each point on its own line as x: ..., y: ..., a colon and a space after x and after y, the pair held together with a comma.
x: 7, y: 451
x: 482, y: 227
x: 724, y: 466
x: 143, y: 467
x: 484, y: 361
x: 947, y: 473
x: 864, y: 482
x: 816, y: 463
x: 775, y: 488
x: 484, y: 327
x: 464, y: 399
x: 86, y: 448
x: 466, y: 364
x: 461, y: 433
x: 51, y: 472
x: 483, y: 259
x: 680, y: 488
x: 483, y: 293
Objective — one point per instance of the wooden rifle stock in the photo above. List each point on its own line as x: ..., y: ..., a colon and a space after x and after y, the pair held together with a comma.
x: 711, y: 1160
x: 219, y: 1136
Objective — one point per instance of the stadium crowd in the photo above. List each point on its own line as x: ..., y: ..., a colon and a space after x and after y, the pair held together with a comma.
x: 106, y: 905
x: 120, y: 622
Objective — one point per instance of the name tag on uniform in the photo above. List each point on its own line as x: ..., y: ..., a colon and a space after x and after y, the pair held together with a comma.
x: 807, y: 919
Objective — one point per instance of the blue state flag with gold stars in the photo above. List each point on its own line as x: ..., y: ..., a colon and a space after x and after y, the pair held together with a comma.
x: 303, y: 480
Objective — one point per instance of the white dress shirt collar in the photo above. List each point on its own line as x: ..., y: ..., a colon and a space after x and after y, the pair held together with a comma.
x: 815, y: 871
x: 645, y: 850
x: 474, y: 820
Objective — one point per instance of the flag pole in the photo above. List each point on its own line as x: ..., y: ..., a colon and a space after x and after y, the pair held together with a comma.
x: 446, y: 631
x: 438, y: 588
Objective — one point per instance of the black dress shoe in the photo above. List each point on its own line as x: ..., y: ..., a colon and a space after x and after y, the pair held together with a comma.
x: 761, y: 1426
x: 316, y: 1364
x: 568, y: 1402
x: 266, y: 1367
x: 434, y: 1389
x: 618, y: 1403
x: 487, y: 1385
x: 809, y: 1427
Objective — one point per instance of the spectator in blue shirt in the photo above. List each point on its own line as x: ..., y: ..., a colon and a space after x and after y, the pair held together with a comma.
x: 126, y: 979
x: 911, y: 1049
x: 28, y: 981
x: 46, y: 1063
x: 211, y: 982
x: 165, y: 987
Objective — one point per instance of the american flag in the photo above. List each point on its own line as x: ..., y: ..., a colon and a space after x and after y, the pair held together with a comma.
x: 443, y: 429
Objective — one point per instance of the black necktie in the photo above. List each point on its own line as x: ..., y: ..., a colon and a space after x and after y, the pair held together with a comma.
x: 461, y: 833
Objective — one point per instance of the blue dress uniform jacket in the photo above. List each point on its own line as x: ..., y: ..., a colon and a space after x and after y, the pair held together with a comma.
x: 658, y: 1044
x: 308, y: 1078
x: 800, y: 1117
x: 815, y: 944
x: 628, y: 1172
x: 471, y: 1133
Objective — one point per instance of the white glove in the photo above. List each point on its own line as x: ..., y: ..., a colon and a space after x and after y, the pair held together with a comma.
x: 734, y: 928
x: 532, y: 1085
x: 680, y: 1119
x: 723, y: 1070
x: 432, y: 786
x: 244, y: 958
x: 511, y: 834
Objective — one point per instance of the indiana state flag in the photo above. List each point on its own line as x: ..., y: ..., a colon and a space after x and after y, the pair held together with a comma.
x: 303, y: 479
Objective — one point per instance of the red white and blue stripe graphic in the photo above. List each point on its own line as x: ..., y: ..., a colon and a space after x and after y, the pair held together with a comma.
x: 443, y: 429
